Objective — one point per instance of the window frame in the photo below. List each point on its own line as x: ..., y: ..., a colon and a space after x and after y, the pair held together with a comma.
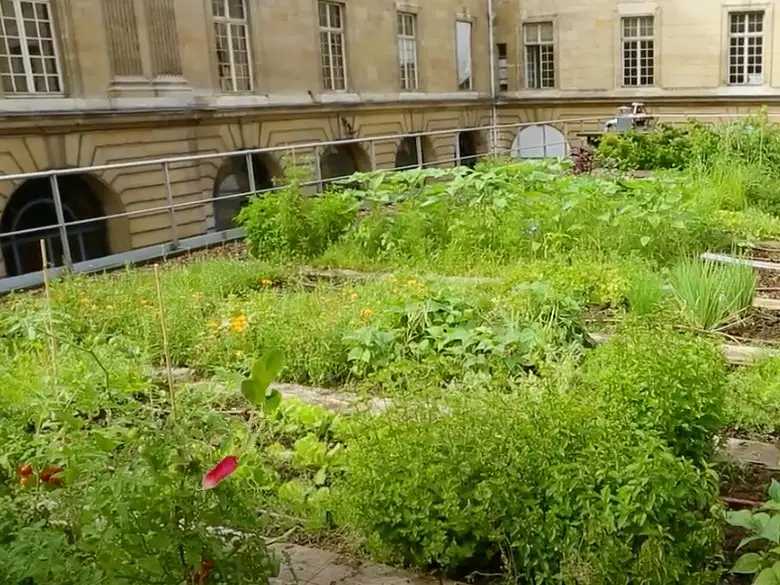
x: 540, y: 44
x: 405, y: 39
x: 639, y: 39
x: 471, y: 84
x: 29, y: 75
x: 329, y: 30
x: 763, y: 35
x: 228, y: 23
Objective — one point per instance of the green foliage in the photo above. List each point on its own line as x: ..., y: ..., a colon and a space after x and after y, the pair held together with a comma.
x: 128, y: 504
x: 662, y: 381
x: 646, y: 293
x: 465, y: 338
x: 753, y: 399
x: 665, y: 147
x: 287, y: 223
x: 264, y: 371
x: 763, y: 536
x: 547, y: 486
x: 711, y: 293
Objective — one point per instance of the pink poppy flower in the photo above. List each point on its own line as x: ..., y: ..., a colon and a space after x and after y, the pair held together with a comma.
x: 219, y: 472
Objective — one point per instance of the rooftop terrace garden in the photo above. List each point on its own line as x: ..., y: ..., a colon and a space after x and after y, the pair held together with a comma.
x: 511, y: 374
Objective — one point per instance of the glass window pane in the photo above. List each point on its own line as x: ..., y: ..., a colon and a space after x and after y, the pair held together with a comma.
x: 236, y: 8
x: 546, y: 32
x: 463, y: 49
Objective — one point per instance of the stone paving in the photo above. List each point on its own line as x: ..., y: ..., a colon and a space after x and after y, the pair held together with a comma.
x: 310, y: 566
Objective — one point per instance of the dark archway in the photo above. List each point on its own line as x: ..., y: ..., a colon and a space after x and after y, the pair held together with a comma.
x: 32, y: 206
x: 233, y: 179
x: 407, y: 154
x: 469, y: 143
x: 343, y: 160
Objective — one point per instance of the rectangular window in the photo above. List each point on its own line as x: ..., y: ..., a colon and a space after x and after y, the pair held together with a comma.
x: 334, y: 72
x: 539, y: 55
x: 638, y: 36
x: 234, y: 59
x: 29, y: 61
x: 407, y: 50
x: 503, y: 67
x: 746, y: 48
x: 463, y: 55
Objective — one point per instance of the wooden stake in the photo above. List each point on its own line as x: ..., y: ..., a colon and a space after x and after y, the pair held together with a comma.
x: 49, y: 319
x: 164, y: 330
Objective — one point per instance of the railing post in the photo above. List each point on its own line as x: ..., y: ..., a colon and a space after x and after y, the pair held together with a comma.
x: 67, y: 258
x: 318, y: 167
x: 250, y: 169
x: 171, y: 210
x: 372, y: 154
x: 419, y: 142
x: 457, y: 149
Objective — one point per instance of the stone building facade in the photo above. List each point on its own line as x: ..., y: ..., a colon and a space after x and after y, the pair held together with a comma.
x: 569, y: 59
x: 95, y: 82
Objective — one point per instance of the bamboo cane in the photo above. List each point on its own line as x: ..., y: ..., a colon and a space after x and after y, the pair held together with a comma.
x: 49, y: 318
x: 166, y: 351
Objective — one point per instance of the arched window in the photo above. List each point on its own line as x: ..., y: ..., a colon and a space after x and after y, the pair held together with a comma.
x: 233, y: 179
x: 342, y: 160
x: 407, y: 156
x: 470, y: 143
x: 540, y: 142
x: 32, y: 206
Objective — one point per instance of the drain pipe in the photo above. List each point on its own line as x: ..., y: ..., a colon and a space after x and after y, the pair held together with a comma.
x: 493, y: 94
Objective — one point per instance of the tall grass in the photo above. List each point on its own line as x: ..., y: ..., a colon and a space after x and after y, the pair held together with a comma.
x: 712, y: 294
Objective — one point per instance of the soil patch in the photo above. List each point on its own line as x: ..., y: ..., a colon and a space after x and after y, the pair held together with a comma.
x: 769, y: 284
x: 757, y: 325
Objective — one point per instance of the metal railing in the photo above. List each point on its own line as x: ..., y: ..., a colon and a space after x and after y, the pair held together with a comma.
x: 176, y: 243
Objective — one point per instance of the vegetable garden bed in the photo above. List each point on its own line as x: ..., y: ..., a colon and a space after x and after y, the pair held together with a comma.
x: 469, y: 422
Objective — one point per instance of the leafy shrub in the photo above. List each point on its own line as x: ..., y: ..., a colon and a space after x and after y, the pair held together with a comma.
x: 550, y: 487
x: 466, y: 338
x: 665, y: 147
x: 662, y: 381
x: 286, y: 223
x: 126, y: 504
x: 753, y: 399
x: 763, y: 529
x: 711, y: 293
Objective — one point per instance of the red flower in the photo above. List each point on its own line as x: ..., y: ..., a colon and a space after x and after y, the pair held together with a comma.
x: 219, y: 472
x: 201, y: 576
x: 48, y: 475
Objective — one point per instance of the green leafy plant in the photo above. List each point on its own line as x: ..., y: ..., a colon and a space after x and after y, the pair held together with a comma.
x: 711, y: 294
x: 256, y: 388
x: 763, y: 529
x: 662, y: 381
x: 547, y: 486
x: 753, y: 399
x: 287, y: 223
x: 645, y: 293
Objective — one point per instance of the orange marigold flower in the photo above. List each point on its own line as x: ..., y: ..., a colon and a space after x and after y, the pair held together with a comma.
x: 239, y: 324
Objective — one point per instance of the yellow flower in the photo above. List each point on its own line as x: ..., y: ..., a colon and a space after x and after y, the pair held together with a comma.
x: 366, y: 314
x: 265, y: 282
x: 354, y: 296
x: 239, y: 323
